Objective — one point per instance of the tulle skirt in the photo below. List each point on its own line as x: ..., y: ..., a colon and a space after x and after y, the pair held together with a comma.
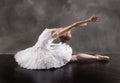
x: 51, y: 56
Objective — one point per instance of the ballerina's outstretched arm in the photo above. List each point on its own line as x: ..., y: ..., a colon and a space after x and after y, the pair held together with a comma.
x: 60, y: 31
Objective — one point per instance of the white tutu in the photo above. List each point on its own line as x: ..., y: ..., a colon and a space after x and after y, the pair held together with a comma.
x: 44, y: 54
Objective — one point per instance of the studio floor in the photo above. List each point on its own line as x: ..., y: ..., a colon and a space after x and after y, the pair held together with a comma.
x: 79, y: 72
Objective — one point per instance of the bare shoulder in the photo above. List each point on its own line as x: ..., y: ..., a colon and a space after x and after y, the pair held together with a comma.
x: 55, y: 32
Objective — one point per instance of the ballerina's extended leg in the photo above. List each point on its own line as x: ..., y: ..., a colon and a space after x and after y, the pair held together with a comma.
x: 82, y: 56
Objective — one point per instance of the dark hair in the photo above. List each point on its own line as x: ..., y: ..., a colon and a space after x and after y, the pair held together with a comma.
x: 64, y: 38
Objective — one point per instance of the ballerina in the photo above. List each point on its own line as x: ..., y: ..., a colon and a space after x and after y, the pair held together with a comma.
x: 45, y: 54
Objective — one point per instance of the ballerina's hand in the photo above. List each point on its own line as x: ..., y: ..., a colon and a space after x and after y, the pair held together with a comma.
x: 94, y: 18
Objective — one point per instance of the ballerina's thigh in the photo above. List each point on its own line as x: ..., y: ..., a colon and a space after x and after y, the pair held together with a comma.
x: 44, y: 54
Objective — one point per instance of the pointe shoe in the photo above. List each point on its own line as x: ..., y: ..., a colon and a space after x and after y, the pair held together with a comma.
x: 102, y: 58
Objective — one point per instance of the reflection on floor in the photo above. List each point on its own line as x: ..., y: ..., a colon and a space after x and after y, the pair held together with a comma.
x: 81, y: 72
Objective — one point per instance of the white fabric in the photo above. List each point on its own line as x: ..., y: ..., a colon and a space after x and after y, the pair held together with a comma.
x: 44, y: 54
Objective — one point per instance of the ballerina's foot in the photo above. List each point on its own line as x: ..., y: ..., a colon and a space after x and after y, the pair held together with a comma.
x: 102, y: 58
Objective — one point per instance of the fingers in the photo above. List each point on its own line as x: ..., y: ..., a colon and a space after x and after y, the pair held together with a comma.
x: 94, y: 18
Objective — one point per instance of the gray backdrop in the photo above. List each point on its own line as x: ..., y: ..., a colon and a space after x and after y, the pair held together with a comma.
x: 22, y: 21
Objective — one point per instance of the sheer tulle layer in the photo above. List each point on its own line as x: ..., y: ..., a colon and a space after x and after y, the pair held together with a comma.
x: 44, y: 54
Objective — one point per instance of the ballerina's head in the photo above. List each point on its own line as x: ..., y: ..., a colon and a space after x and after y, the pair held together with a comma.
x: 65, y: 37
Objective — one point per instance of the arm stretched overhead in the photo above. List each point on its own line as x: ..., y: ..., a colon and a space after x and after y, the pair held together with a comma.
x: 57, y: 32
